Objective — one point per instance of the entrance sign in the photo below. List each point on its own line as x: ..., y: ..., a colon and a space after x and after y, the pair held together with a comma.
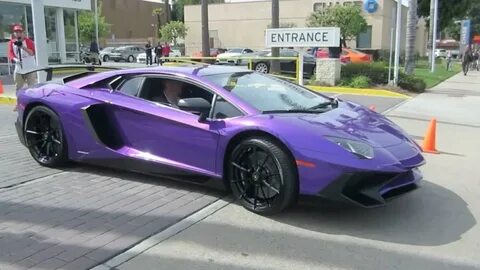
x: 303, y: 37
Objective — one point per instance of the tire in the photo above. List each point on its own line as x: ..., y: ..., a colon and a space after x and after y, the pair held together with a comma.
x: 106, y: 58
x: 130, y: 59
x: 262, y: 176
x: 45, y: 137
x: 261, y: 67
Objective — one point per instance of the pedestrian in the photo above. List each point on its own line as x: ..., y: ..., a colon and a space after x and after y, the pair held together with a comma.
x: 449, y: 60
x: 476, y: 58
x: 158, y: 53
x: 21, y: 51
x: 94, y: 52
x: 148, y: 52
x: 466, y: 59
x: 166, y: 51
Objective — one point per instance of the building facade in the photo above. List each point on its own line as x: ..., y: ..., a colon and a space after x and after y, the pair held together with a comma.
x: 60, y: 25
x: 242, y: 23
x: 132, y: 21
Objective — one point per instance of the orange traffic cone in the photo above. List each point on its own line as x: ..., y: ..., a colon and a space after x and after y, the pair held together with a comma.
x: 430, y: 136
x: 372, y: 108
x: 1, y: 87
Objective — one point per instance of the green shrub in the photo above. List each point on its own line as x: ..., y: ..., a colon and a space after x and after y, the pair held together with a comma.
x: 360, y: 82
x: 376, y: 72
x: 412, y: 83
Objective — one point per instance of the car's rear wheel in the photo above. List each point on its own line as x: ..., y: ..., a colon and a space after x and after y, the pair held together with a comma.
x: 45, y: 138
x: 261, y: 67
x: 130, y: 59
x: 262, y: 176
x: 106, y: 58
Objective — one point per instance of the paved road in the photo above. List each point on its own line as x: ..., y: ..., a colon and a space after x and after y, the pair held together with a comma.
x: 79, y: 217
x: 435, y: 227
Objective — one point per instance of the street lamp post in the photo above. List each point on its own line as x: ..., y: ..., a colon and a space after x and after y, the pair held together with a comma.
x: 96, y: 22
x: 397, y: 42
x: 434, y: 35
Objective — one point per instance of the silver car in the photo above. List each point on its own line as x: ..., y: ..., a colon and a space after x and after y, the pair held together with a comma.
x: 126, y: 53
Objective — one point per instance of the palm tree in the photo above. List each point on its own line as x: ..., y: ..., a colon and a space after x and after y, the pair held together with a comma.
x: 275, y: 65
x: 205, y: 36
x: 412, y: 20
x: 158, y: 13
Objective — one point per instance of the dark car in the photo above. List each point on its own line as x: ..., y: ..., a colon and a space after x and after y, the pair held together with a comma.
x: 262, y: 65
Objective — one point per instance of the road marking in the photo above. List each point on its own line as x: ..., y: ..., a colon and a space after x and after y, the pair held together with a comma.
x: 164, y: 235
x: 360, y: 92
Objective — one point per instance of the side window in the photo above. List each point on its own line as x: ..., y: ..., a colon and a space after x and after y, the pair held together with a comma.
x: 170, y: 91
x: 223, y: 109
x: 131, y: 86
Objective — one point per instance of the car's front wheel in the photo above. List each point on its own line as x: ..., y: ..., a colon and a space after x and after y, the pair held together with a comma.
x: 262, y: 176
x: 45, y: 138
x: 261, y: 67
x: 130, y: 59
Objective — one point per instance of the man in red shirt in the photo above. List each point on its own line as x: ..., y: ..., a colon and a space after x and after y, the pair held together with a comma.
x: 21, y: 51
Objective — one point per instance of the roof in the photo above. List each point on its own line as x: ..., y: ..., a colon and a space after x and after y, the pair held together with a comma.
x: 187, y: 70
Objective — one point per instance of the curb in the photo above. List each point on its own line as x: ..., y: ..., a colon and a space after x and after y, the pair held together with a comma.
x: 358, y: 91
x: 8, y: 100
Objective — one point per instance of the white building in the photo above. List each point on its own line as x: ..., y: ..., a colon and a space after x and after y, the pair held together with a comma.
x: 61, y: 26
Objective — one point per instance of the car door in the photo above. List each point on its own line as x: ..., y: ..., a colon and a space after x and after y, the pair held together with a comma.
x: 160, y: 133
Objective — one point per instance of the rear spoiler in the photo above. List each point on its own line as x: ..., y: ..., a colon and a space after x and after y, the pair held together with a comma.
x: 90, y: 69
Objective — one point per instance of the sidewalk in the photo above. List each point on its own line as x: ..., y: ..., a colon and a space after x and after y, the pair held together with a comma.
x: 434, y: 227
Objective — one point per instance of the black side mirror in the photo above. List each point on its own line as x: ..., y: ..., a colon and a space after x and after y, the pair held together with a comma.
x: 195, y: 105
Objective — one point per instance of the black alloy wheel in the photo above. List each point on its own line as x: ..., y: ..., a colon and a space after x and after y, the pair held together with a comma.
x: 45, y: 138
x: 262, y: 176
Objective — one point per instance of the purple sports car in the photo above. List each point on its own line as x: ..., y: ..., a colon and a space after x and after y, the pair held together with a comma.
x: 265, y: 139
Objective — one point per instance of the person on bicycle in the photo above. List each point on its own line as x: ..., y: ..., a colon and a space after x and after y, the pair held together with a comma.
x: 466, y: 60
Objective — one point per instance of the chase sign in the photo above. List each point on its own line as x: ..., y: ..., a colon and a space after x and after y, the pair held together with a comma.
x: 370, y: 6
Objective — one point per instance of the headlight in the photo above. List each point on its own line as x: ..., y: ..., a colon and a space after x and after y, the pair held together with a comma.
x: 360, y: 149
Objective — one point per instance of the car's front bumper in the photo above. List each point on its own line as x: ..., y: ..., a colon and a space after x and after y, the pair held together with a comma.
x: 371, y: 189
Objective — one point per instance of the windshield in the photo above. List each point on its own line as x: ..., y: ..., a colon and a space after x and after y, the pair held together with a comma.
x: 267, y: 93
x: 235, y: 50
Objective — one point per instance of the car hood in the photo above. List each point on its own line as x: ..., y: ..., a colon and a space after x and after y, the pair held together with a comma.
x: 348, y: 121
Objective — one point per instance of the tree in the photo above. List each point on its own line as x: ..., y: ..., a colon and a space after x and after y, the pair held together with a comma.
x: 157, y: 12
x: 178, y: 6
x: 86, y: 25
x: 447, y: 10
x: 173, y: 30
x: 205, y: 32
x: 412, y: 20
x: 284, y: 25
x: 275, y: 65
x: 348, y: 18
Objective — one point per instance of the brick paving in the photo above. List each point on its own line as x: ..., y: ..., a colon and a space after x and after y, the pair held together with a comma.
x: 82, y: 216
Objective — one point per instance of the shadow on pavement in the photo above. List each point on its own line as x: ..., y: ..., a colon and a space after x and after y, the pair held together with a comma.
x: 429, y: 216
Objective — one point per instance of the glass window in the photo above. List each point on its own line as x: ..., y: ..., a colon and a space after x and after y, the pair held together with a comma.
x: 223, y: 109
x: 131, y: 86
x: 267, y: 93
x: 235, y: 50
x: 364, y: 40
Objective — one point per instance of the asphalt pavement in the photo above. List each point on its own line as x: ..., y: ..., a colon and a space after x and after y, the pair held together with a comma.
x: 434, y: 227
x: 82, y: 216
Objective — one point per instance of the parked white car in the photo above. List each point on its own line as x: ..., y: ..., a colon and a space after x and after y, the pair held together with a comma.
x: 142, y: 58
x: 223, y: 58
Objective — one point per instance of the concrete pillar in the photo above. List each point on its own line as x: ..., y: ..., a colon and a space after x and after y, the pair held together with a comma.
x: 328, y: 71
x: 62, y: 48
x: 38, y: 16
